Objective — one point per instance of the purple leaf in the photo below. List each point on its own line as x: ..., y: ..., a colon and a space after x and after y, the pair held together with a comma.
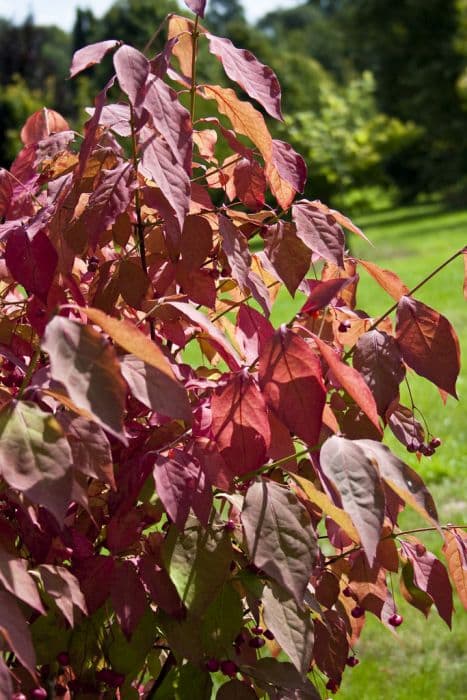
x: 16, y: 579
x: 91, y: 129
x: 35, y: 457
x: 32, y: 262
x: 280, y: 536
x: 289, y: 164
x: 109, y: 199
x: 86, y: 364
x: 288, y: 255
x: 322, y: 293
x: 171, y: 120
x: 357, y: 480
x: 235, y: 247
x: 319, y: 231
x: 128, y: 597
x: 90, y: 448
x: 292, y: 627
x: 196, y: 6
x: 132, y: 69
x: 180, y: 484
x: 256, y: 79
x: 6, y: 683
x: 155, y: 389
x: 159, y: 585
x: 253, y: 331
x: 91, y: 55
x: 159, y: 163
x: 64, y: 588
x: 16, y: 632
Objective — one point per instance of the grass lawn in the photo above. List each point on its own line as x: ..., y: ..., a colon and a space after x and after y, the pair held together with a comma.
x: 425, y: 659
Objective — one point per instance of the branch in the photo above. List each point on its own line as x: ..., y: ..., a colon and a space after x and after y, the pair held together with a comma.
x: 165, y: 670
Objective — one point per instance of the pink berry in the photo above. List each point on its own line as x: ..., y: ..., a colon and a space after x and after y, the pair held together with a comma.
x: 332, y: 685
x: 229, y: 668
x: 413, y: 446
x: 212, y: 665
x: 269, y: 635
x: 347, y: 592
x: 357, y: 611
x: 230, y: 526
x: 427, y: 450
x: 63, y: 658
x: 18, y: 696
x: 241, y: 638
x: 39, y: 694
x: 435, y: 442
x: 256, y: 642
x: 396, y: 620
x: 352, y: 661
x: 344, y: 326
x: 257, y: 630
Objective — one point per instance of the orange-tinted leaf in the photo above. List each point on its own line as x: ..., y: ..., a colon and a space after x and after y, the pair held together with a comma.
x: 132, y: 281
x: 290, y: 376
x: 455, y: 551
x: 244, y: 118
x: 428, y: 343
x: 386, y: 279
x: 181, y: 28
x: 41, y: 124
x: 324, y: 503
x: 350, y: 380
x: 340, y: 218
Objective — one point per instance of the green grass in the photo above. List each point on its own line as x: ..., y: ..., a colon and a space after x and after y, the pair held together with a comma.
x: 425, y: 660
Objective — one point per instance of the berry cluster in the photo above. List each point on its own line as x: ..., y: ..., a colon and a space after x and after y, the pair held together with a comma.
x: 426, y: 449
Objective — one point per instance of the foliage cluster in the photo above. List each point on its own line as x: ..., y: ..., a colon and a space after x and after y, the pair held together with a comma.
x: 221, y: 531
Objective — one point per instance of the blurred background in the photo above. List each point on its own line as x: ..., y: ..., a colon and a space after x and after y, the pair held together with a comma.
x: 375, y: 99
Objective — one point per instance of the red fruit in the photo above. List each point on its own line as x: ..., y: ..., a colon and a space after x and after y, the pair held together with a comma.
x: 39, y: 694
x: 427, y: 450
x: 352, y: 661
x: 435, y: 442
x: 347, y: 592
x: 357, y: 611
x: 212, y: 665
x: 229, y: 668
x: 413, y: 446
x: 257, y: 630
x: 241, y: 638
x: 256, y: 642
x: 344, y: 326
x: 230, y: 526
x: 396, y: 620
x: 269, y: 635
x: 332, y: 685
x: 63, y: 658
x: 93, y: 264
x: 18, y: 696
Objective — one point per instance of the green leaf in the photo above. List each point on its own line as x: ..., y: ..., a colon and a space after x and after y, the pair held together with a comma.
x: 222, y: 621
x: 197, y: 561
x: 128, y: 657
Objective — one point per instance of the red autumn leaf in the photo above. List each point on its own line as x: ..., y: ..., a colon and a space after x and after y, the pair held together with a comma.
x: 196, y: 6
x: 171, y: 119
x: 109, y: 200
x: 16, y: 632
x: 132, y: 69
x: 91, y: 55
x: 31, y: 261
x: 331, y: 647
x: 196, y: 242
x: 282, y: 681
x: 91, y: 129
x: 240, y: 425
x: 86, y: 364
x: 235, y: 690
x: 249, y: 183
x: 431, y: 577
x: 256, y: 79
x: 155, y: 389
x: 181, y: 485
x: 322, y: 293
x: 291, y: 379
x: 370, y: 588
x: 128, y: 597
x: 378, y: 359
x: 6, y: 681
x: 41, y: 124
x: 340, y: 218
x: 288, y: 255
x: 350, y: 380
x: 428, y: 343
x: 357, y: 480
x: 455, y: 551
x: 282, y: 445
x: 319, y: 232
x: 198, y: 285
x: 253, y: 331
x: 95, y: 576
x: 280, y: 536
